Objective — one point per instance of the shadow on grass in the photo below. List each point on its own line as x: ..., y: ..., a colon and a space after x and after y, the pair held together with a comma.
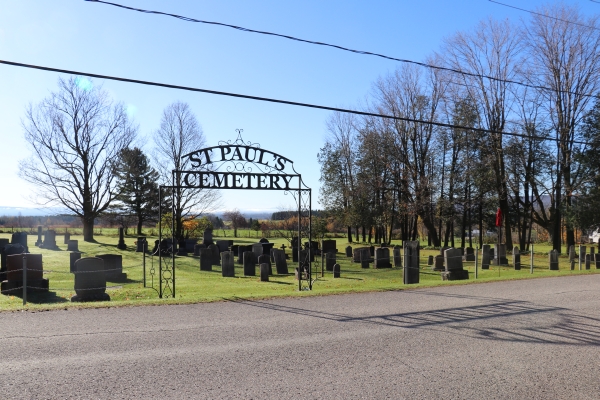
x: 43, y: 298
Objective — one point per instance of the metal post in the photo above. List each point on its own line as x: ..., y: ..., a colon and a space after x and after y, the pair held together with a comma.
x: 476, y: 257
x: 299, y: 244
x: 579, y: 256
x: 322, y: 260
x: 144, y: 247
x: 160, y: 242
x: 531, y: 262
x: 24, y: 280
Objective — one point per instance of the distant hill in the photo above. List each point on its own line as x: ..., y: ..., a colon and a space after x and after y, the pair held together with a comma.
x: 31, y: 211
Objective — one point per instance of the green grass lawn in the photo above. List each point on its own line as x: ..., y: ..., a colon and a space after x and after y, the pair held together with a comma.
x: 193, y: 285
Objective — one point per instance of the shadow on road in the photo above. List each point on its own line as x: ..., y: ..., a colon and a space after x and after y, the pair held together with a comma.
x: 496, y: 319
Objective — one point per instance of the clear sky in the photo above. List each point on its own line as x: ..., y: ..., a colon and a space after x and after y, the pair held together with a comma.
x: 97, y: 38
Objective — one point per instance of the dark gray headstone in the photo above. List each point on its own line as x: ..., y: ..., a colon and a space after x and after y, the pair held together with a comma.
x: 485, y: 256
x: 73, y: 245
x: 336, y: 270
x: 190, y: 244
x: 280, y: 262
x: 438, y: 265
x: 411, y: 262
x: 328, y: 245
x: 572, y: 254
x: 39, y: 241
x: 207, y: 237
x: 264, y: 272
x: 364, y: 256
x: 330, y: 261
x: 90, y: 280
x: 516, y: 258
x: 227, y: 267
x: 382, y: 258
x: 197, y: 248
x: 249, y: 263
x: 469, y: 254
x: 430, y: 260
x: 265, y: 259
x: 553, y: 260
x: 67, y: 237
x: 397, y: 257
x: 206, y: 259
x: 349, y: 251
x: 582, y: 252
x: 453, y: 260
x: 141, y: 245
x: 20, y: 238
x: 223, y: 245
x: 113, y: 267
x: 588, y: 259
x: 72, y: 258
x: 216, y: 258
x: 257, y: 249
x: 121, y: 245
x: 500, y: 254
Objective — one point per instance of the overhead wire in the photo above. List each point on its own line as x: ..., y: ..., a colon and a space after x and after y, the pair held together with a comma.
x: 541, y: 15
x: 279, y: 101
x: 363, y: 52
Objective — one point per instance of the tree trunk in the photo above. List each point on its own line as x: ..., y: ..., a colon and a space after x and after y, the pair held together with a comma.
x: 88, y: 229
x: 349, y: 234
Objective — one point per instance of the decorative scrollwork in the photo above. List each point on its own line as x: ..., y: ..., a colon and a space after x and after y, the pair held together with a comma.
x: 238, y: 141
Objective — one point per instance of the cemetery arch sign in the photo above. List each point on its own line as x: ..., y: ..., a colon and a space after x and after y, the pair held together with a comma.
x: 240, y: 165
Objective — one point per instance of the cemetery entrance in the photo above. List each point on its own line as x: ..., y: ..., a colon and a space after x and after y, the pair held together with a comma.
x: 240, y: 165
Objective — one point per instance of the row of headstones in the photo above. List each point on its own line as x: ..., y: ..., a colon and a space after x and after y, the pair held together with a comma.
x: 49, y: 241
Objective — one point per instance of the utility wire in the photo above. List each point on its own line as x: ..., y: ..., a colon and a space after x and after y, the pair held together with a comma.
x: 541, y: 15
x: 421, y: 64
x: 279, y: 101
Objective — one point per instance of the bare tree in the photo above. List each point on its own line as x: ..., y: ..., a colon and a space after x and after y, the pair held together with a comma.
x: 75, y: 135
x: 490, y: 50
x: 236, y: 218
x: 180, y: 134
x: 564, y: 53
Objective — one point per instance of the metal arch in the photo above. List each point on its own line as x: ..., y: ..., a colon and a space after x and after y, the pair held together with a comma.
x: 302, y: 194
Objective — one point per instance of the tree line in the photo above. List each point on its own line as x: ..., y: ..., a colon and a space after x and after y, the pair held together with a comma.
x: 511, y: 121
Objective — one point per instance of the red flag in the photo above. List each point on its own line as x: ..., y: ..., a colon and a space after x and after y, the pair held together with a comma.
x: 499, y: 217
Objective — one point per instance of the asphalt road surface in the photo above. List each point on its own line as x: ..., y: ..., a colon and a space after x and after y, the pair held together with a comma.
x: 534, y: 339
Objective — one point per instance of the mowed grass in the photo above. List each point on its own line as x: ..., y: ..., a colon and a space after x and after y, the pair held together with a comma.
x: 193, y: 285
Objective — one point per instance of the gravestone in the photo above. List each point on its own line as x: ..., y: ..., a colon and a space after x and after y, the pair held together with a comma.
x: 181, y: 247
x: 67, y: 237
x: 227, y: 267
x: 572, y: 254
x: 234, y: 249
x: 264, y: 272
x: 553, y: 260
x: 113, y: 267
x: 336, y: 270
x: 572, y: 262
x: 216, y: 257
x: 257, y: 249
x: 207, y: 237
x: 330, y: 261
x: 469, y: 254
x: 13, y: 283
x: 485, y: 256
x: 190, y: 244
x: 349, y: 251
x: 430, y: 260
x: 582, y: 251
x: 141, y: 245
x: 588, y: 259
x: 364, y: 257
x: 240, y: 254
x: 267, y: 248
x: 597, y: 260
x: 439, y: 264
x: 294, y: 254
x: 263, y: 240
x: 372, y: 251
x: 8, y: 250
x: 280, y: 262
x: 411, y: 262
x: 397, y: 257
x: 90, y: 280
x: 357, y: 255
x: 223, y: 245
x: 265, y: 259
x: 21, y: 238
x: 382, y: 258
x: 39, y: 239
x: 328, y: 245
x: 72, y: 258
x: 249, y: 263
x: 121, y: 245
x: 453, y: 260
x: 73, y: 245
x: 516, y: 258
x: 197, y: 248
x: 443, y: 249
x: 206, y: 259
x: 500, y: 254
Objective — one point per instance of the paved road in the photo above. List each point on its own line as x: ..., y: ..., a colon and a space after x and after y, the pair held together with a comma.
x: 519, y: 340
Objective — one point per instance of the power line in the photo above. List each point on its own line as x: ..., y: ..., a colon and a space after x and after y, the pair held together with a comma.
x: 542, y: 15
x: 188, y: 19
x: 279, y: 101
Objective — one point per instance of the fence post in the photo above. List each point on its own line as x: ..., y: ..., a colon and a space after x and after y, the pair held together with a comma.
x: 476, y: 257
x: 531, y: 262
x: 24, y: 280
x: 144, y: 248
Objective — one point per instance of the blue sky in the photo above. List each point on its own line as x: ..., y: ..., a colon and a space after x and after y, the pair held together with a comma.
x: 97, y: 38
